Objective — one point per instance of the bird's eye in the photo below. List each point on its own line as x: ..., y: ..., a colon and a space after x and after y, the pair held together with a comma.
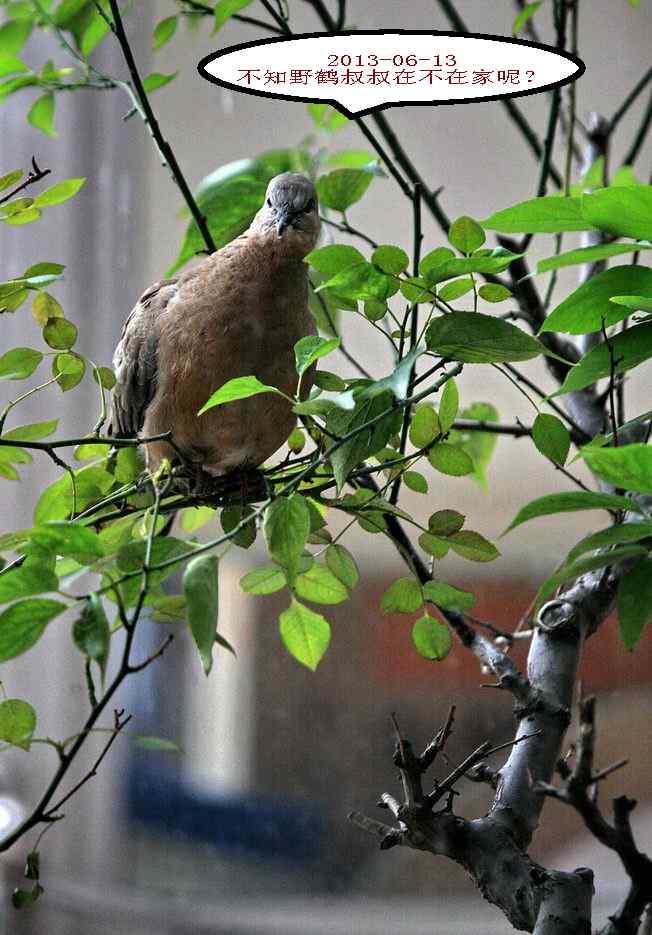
x: 269, y: 202
x: 311, y: 205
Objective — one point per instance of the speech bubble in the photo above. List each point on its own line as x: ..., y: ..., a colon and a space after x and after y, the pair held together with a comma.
x: 362, y: 72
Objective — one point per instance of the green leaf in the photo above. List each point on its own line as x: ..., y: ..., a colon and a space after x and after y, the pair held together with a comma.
x: 493, y: 292
x: 169, y: 609
x: 22, y: 624
x: 319, y: 585
x: 479, y: 446
x: 41, y: 114
x: 366, y: 442
x: 157, y: 80
x: 326, y: 117
x: 14, y: 34
x: 334, y: 258
x: 455, y: 289
x: 201, y: 589
x: 588, y: 255
x: 431, y: 638
x: 450, y: 459
x: 343, y: 187
x: 362, y: 282
x: 354, y: 159
x: 624, y: 211
x: 390, y: 259
x: 296, y: 441
x: 434, y: 259
x: 398, y: 381
x: 69, y: 369
x: 10, y: 65
x: 35, y: 431
x: 231, y: 517
x: 329, y: 381
x: 445, y: 522
x: 403, y: 597
x: 69, y: 539
x: 265, y: 580
x: 551, y: 437
x: 612, y: 535
x: 424, y: 426
x: 238, y: 388
x: 415, y: 481
x: 473, y: 546
x: 446, y: 596
x: 44, y: 307
x: 343, y: 565
x: 477, y: 339
x: 548, y: 215
x: 96, y: 30
x: 129, y: 465
x: 67, y: 11
x: 90, y: 452
x: 524, y: 15
x: 634, y: 602
x: 574, y: 569
x: 225, y: 9
x: 22, y: 899
x: 15, y: 455
x: 309, y: 349
x: 287, y: 527
x: 585, y: 309
x: 195, y: 517
x: 91, y: 633
x: 17, y: 723
x: 305, y: 634
x: 55, y: 502
x: 450, y: 403
x: 433, y: 545
x: 629, y: 466
x: 19, y: 363
x: 635, y: 303
x: 10, y: 178
x: 59, y: 193
x: 131, y: 557
x: 570, y: 502
x: 466, y: 235
x: 628, y: 349
x: 159, y: 744
x: 494, y: 261
x: 59, y: 333
x: 164, y: 31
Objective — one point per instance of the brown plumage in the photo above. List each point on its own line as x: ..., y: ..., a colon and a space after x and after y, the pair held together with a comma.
x: 237, y: 313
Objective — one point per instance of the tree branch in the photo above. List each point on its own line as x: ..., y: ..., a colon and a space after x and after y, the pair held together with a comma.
x: 149, y: 117
x: 579, y: 790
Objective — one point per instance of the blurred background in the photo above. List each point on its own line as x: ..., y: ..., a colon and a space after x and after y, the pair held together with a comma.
x: 245, y: 831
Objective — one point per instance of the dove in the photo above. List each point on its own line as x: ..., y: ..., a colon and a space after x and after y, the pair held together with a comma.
x: 239, y: 312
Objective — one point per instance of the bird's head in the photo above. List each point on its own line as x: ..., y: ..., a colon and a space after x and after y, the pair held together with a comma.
x: 290, y: 212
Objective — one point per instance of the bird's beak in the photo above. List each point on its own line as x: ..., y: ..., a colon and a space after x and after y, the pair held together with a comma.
x: 284, y: 219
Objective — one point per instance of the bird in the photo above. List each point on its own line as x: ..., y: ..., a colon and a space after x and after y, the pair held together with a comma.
x: 239, y: 312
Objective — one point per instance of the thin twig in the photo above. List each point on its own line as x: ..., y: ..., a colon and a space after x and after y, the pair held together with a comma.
x: 35, y: 175
x: 149, y: 117
x: 638, y: 88
x: 612, y: 375
x: 417, y: 239
x: 119, y: 724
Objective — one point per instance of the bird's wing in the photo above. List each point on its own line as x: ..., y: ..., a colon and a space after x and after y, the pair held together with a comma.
x: 134, y: 360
